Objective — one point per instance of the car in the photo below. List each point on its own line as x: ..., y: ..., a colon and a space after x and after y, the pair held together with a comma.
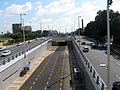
x: 93, y: 45
x: 19, y: 44
x: 6, y: 53
x: 83, y: 43
x: 78, y: 40
x: 29, y: 41
x: 116, y: 85
x: 99, y: 45
x: 85, y: 49
x: 2, y: 48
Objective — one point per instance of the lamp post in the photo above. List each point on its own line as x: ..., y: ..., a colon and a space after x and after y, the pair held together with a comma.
x: 78, y: 29
x: 22, y: 24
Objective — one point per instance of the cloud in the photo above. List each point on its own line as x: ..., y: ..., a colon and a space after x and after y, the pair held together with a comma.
x: 46, y: 20
x: 1, y: 11
x: 17, y: 9
x: 60, y: 6
x: 6, y: 3
x: 115, y: 5
x: 40, y: 10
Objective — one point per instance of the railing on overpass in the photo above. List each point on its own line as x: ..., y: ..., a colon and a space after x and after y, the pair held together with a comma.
x: 99, y: 82
x: 16, y: 55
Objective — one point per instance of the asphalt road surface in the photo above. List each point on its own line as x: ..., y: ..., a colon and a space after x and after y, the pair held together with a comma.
x: 97, y: 57
x: 49, y: 75
x: 16, y: 49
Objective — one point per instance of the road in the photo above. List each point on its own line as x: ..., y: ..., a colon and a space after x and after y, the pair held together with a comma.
x: 16, y: 49
x: 50, y: 74
x: 97, y: 57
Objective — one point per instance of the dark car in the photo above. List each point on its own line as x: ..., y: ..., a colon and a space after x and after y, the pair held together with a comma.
x: 83, y: 43
x: 93, y: 45
x: 116, y: 85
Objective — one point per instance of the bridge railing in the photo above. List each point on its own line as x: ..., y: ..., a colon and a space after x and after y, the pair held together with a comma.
x: 16, y: 55
x: 96, y: 77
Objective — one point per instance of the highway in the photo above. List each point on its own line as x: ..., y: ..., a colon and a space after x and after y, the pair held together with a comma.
x: 15, y: 49
x: 50, y: 74
x: 97, y: 57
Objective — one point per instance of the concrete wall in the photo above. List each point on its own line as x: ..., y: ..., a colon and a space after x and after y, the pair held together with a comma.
x: 10, y: 74
x: 89, y: 83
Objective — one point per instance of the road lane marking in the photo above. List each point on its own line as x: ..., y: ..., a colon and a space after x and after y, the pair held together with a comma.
x: 36, y: 79
x: 117, y: 76
x: 60, y: 84
x: 60, y: 89
x: 33, y: 82
x: 118, y: 63
x: 30, y: 88
x: 38, y: 75
x: 49, y: 78
x: 47, y: 82
x: 45, y: 88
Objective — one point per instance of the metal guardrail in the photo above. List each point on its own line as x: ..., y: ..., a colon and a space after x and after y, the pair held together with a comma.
x: 16, y: 55
x: 100, y: 83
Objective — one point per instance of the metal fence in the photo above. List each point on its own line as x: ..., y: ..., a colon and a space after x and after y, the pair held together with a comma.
x: 100, y: 83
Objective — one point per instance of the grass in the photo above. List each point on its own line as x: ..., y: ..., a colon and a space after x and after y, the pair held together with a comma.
x: 1, y: 39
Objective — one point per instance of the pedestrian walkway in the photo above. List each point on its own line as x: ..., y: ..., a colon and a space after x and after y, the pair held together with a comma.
x: 20, y: 80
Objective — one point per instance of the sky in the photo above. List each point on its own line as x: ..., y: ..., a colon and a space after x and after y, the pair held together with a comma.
x: 59, y: 15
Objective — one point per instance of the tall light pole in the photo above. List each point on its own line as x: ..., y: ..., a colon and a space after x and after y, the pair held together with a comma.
x: 41, y: 28
x: 22, y: 24
x: 78, y: 29
x: 109, y: 2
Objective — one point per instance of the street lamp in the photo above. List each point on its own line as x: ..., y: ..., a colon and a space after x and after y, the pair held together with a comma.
x: 78, y: 29
x: 109, y: 2
x: 22, y: 24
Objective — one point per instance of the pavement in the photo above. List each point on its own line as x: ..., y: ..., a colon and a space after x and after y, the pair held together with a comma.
x: 20, y: 80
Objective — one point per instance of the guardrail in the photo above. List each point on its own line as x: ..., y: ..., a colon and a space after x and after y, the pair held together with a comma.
x: 100, y: 83
x: 20, y: 53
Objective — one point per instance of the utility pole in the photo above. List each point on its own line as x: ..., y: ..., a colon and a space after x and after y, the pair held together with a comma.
x: 78, y: 29
x: 22, y: 27
x: 109, y: 2
x: 41, y: 28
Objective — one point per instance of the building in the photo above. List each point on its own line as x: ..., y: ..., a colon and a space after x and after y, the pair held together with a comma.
x: 28, y: 28
x: 16, y: 27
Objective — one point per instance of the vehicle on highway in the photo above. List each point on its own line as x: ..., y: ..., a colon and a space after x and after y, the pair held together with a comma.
x: 6, y: 53
x: 100, y: 45
x: 83, y: 43
x: 19, y: 44
x: 78, y: 40
x: 116, y: 85
x: 94, y: 45
x: 2, y: 48
x: 85, y: 49
x: 29, y: 41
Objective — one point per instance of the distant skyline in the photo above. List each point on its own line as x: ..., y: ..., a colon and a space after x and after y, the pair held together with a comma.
x: 55, y: 13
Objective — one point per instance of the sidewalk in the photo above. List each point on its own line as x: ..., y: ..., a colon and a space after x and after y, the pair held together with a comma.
x: 20, y: 80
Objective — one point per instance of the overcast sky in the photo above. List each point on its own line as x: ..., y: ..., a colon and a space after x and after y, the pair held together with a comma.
x: 57, y: 13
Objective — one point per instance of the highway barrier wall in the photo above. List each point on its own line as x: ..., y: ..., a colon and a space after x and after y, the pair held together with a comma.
x: 11, y: 70
x: 92, y: 78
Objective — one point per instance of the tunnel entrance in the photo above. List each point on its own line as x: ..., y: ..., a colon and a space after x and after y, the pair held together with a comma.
x: 59, y: 43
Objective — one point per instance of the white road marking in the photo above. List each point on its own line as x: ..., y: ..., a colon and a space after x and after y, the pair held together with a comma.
x: 47, y: 82
x: 50, y: 74
x: 117, y: 76
x: 49, y: 78
x: 118, y: 63
x: 45, y: 88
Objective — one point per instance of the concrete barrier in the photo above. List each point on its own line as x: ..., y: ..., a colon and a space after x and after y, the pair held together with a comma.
x: 11, y: 70
x: 92, y: 78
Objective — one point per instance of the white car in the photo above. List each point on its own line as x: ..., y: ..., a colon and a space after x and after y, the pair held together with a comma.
x: 19, y: 44
x: 85, y: 49
x: 2, y: 48
x: 6, y: 53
